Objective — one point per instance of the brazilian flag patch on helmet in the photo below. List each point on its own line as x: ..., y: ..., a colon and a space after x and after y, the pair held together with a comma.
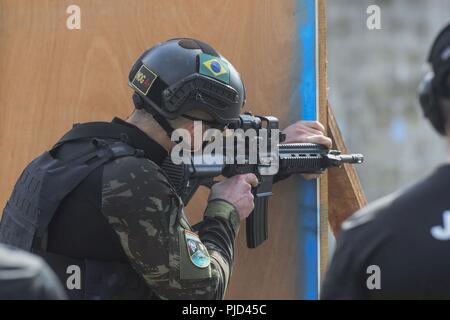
x: 214, y: 67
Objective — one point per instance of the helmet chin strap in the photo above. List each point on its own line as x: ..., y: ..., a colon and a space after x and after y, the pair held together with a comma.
x: 165, y: 125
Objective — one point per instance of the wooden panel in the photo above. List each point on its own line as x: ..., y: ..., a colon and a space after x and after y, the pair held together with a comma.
x: 53, y: 77
x: 345, y: 192
x: 323, y: 118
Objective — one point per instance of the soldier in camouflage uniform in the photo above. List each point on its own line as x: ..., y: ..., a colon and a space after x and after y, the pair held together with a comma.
x: 153, y: 230
x: 124, y: 223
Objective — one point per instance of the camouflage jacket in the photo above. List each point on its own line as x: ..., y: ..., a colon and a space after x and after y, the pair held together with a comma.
x: 147, y: 215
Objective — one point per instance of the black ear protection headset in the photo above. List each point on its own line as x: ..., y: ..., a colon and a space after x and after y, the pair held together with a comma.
x: 433, y: 86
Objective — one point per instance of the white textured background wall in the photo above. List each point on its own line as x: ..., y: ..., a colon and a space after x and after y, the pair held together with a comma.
x: 373, y: 76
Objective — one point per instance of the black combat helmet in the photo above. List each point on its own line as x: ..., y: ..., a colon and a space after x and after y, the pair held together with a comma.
x: 179, y: 76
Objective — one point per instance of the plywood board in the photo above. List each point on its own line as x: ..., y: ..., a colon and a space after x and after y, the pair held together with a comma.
x: 345, y: 193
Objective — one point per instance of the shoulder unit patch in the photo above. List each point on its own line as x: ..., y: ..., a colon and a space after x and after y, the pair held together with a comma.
x: 197, y: 251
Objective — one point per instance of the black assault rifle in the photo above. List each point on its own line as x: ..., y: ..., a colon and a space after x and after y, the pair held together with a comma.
x: 295, y: 158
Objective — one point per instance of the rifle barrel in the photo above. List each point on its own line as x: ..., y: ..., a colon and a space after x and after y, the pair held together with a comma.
x: 352, y: 158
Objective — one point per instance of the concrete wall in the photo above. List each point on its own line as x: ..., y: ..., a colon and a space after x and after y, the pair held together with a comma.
x: 373, y: 76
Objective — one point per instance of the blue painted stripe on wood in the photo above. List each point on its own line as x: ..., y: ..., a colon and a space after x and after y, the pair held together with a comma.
x: 308, y: 211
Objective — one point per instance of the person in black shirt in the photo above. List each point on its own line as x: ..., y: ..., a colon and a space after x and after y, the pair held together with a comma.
x: 397, y: 247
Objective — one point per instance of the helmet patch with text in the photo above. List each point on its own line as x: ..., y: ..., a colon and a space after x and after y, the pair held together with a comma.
x: 144, y: 79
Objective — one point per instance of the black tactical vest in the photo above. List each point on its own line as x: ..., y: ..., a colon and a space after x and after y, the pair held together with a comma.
x: 41, y: 188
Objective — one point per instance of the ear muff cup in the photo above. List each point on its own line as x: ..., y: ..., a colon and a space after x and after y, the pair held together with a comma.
x: 430, y: 106
x: 431, y: 89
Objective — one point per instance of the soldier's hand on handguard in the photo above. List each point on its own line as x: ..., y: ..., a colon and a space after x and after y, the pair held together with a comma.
x: 237, y: 190
x: 307, y: 132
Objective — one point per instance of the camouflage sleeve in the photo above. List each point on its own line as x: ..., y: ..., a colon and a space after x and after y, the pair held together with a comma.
x: 147, y: 215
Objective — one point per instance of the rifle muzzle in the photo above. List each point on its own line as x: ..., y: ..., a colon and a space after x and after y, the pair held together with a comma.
x: 352, y: 158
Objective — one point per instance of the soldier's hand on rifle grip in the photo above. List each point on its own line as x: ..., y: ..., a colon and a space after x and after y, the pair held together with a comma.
x: 236, y: 190
x: 307, y: 132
